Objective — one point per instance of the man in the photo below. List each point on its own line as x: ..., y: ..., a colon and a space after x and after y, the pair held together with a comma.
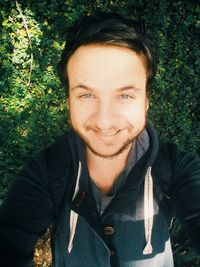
x: 108, y: 187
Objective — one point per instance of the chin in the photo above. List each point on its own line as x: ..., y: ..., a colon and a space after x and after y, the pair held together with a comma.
x: 109, y: 153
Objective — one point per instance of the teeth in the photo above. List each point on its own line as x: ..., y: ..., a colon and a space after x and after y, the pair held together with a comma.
x: 107, y: 133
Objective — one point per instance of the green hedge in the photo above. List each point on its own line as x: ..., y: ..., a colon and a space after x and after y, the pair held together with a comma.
x: 32, y: 102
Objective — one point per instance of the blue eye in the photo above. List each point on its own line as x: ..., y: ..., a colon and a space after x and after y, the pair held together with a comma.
x: 126, y: 96
x: 86, y: 96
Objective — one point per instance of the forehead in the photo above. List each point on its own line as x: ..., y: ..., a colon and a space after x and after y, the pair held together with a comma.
x: 105, y: 65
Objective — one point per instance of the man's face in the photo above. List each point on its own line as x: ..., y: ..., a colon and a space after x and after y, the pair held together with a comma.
x: 107, y: 97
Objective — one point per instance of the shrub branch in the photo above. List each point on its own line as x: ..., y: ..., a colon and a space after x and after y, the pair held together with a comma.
x: 29, y: 38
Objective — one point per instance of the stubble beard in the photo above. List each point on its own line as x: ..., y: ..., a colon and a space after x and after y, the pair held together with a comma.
x: 122, y: 149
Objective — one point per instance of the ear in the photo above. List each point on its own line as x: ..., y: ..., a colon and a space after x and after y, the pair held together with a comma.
x: 147, y: 104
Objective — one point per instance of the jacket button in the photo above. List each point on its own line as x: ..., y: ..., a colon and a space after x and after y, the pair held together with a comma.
x: 112, y: 253
x: 109, y: 230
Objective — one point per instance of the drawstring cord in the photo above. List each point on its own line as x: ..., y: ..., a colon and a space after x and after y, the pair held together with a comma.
x: 73, y: 214
x: 148, y: 211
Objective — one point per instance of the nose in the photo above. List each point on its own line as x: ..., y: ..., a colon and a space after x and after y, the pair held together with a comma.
x: 105, y: 116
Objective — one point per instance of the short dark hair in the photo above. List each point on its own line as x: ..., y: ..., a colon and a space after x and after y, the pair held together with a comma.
x: 109, y: 29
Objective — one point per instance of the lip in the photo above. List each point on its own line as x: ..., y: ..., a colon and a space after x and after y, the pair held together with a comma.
x: 106, y: 134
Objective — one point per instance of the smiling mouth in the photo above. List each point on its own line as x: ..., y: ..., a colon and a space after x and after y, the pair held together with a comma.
x: 106, y: 134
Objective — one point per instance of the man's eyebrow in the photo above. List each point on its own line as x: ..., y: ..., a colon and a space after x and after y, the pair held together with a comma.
x: 129, y: 87
x: 83, y: 86
x: 121, y: 89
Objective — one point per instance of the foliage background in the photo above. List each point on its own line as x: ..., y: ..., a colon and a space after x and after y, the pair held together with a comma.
x: 32, y: 102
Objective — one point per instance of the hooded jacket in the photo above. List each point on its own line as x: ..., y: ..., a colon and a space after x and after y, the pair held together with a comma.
x: 54, y: 190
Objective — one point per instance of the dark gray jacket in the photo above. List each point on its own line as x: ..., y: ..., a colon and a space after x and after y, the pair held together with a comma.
x: 53, y: 189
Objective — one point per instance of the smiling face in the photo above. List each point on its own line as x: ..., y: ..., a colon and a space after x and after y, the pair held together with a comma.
x: 107, y: 97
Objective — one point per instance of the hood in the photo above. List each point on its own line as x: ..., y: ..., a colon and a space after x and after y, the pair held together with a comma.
x: 77, y: 148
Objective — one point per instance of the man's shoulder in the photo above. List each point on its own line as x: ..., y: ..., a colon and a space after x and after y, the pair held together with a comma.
x: 57, y: 156
x: 175, y: 163
x: 52, y: 162
x: 175, y: 152
x: 60, y: 147
x: 54, y: 165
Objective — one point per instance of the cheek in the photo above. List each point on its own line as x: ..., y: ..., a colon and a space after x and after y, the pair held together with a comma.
x: 78, y: 114
x: 135, y: 112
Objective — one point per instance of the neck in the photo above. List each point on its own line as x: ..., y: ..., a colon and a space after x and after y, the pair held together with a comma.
x: 104, y: 171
